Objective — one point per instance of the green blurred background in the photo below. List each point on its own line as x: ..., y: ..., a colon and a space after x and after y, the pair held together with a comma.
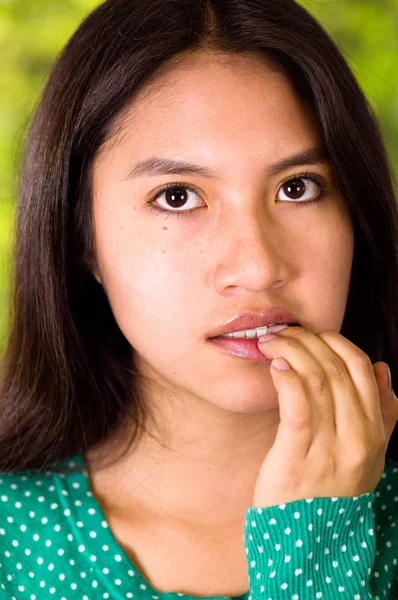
x: 33, y: 32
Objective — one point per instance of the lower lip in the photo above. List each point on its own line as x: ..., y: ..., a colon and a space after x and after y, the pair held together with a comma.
x: 241, y: 347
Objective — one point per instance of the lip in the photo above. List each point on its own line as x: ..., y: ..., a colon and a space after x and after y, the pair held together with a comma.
x: 241, y: 347
x: 253, y: 320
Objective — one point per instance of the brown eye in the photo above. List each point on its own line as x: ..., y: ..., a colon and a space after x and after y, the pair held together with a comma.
x: 303, y: 189
x: 175, y: 197
x: 294, y: 188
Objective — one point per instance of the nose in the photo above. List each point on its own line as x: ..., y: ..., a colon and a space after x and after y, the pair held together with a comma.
x: 249, y: 253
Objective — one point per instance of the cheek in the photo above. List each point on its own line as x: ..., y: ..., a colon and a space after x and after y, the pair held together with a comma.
x: 149, y: 286
x: 331, y: 273
x: 339, y: 253
x: 328, y: 245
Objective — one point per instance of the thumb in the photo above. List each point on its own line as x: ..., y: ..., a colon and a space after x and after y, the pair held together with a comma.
x: 388, y: 400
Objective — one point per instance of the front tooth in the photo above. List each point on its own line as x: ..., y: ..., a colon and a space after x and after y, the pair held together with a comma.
x: 255, y: 333
x: 248, y: 333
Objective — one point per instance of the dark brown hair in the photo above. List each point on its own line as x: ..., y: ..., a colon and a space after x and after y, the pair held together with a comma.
x: 68, y: 373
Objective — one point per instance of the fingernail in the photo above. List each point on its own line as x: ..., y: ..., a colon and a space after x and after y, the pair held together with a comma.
x: 277, y: 328
x: 266, y: 338
x: 280, y: 364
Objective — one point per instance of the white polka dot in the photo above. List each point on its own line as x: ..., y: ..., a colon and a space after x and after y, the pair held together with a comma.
x: 63, y: 520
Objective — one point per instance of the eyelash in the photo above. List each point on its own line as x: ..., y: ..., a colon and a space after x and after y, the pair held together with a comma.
x: 181, y: 185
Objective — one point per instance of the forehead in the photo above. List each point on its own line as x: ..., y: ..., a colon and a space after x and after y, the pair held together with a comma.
x: 240, y: 102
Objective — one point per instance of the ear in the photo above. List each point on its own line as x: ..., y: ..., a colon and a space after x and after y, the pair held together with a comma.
x: 93, y: 270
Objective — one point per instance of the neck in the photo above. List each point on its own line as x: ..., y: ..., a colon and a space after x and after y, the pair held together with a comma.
x: 202, y: 471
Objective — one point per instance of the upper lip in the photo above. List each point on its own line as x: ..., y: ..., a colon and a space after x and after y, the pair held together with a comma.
x: 253, y: 320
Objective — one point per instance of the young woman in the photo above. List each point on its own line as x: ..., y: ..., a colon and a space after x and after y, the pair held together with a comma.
x: 196, y: 169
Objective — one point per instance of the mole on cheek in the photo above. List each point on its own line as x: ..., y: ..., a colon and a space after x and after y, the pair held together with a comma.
x: 165, y: 228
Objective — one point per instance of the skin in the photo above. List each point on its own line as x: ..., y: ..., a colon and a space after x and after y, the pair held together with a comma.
x: 171, y: 281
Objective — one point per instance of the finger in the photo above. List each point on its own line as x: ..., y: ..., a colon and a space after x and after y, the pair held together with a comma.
x: 313, y: 378
x: 337, y: 358
x: 360, y: 369
x: 295, y: 432
x: 388, y: 400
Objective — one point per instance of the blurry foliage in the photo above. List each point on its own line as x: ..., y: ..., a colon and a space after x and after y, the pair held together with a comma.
x: 33, y: 32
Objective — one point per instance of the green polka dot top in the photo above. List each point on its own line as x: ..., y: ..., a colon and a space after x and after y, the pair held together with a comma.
x: 55, y: 543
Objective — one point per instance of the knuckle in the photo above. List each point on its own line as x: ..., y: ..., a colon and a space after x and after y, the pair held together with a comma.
x: 362, y: 361
x: 300, y: 423
x: 317, y: 382
x: 329, y: 333
x: 292, y: 343
x: 296, y: 330
x: 380, y: 440
x: 359, y: 457
x: 335, y: 367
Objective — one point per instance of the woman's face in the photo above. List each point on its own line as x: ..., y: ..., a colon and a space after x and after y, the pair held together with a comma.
x: 245, y: 246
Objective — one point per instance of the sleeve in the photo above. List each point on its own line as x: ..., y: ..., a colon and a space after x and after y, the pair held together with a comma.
x: 313, y: 548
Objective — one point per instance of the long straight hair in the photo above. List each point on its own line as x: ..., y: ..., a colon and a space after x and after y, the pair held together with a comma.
x: 68, y: 379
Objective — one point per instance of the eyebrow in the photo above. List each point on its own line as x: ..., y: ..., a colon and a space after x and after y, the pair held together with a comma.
x: 156, y: 165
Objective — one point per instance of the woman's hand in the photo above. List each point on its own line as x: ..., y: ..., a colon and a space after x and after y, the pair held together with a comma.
x: 337, y: 414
